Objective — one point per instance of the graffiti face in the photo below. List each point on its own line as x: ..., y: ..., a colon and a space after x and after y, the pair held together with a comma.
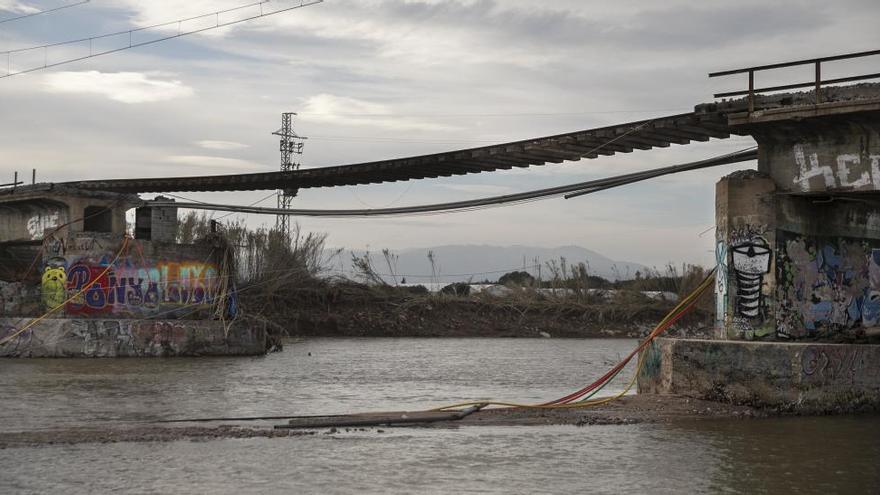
x: 54, y: 286
x: 751, y: 260
x: 752, y: 257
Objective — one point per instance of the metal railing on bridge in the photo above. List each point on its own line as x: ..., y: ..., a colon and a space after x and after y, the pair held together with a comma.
x: 817, y: 83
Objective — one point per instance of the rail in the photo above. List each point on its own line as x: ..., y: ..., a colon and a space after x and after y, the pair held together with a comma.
x: 817, y: 83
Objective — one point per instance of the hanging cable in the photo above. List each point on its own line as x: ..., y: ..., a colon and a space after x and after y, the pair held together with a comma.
x: 129, y: 32
x: 41, y: 12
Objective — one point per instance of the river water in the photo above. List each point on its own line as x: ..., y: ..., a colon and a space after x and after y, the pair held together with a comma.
x: 326, y: 376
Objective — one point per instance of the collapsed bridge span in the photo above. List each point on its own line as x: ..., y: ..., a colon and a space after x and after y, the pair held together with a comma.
x: 585, y: 144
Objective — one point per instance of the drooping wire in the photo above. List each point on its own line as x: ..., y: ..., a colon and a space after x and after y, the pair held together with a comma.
x: 130, y: 32
x: 41, y: 12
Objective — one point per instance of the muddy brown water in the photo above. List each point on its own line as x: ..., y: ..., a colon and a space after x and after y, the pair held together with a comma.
x: 327, y: 376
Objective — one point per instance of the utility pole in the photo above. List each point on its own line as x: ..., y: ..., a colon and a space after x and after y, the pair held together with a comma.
x: 291, y: 144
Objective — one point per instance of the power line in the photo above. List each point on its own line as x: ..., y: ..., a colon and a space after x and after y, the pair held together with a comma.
x: 439, y: 274
x: 571, y: 190
x: 273, y: 193
x: 130, y: 32
x: 41, y: 12
x: 514, y: 114
x: 382, y: 139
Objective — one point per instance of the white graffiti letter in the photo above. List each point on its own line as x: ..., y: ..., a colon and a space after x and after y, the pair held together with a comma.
x: 843, y: 171
x: 813, y: 171
x: 37, y: 224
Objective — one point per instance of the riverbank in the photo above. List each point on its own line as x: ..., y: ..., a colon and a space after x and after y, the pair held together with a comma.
x: 633, y: 409
x: 359, y: 311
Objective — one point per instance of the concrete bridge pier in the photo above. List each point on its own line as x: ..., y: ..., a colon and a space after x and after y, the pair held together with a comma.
x: 798, y: 282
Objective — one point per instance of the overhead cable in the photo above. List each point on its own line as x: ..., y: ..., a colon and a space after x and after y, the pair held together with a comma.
x: 41, y: 12
x: 577, y: 188
x: 131, y: 44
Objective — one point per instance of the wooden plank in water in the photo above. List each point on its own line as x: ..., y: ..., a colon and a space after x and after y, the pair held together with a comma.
x: 378, y: 419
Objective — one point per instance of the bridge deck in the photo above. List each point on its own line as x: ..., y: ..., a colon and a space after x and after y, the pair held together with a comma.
x: 590, y: 143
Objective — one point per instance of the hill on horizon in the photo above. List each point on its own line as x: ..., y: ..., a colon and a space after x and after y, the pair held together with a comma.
x: 462, y: 263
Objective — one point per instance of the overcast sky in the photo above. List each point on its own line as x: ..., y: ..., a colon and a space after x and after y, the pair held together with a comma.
x: 389, y: 78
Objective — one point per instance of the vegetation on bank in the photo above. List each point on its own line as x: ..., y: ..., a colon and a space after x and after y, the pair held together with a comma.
x: 287, y: 284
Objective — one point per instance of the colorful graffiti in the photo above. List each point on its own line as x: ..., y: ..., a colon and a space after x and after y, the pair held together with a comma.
x: 163, y: 288
x: 827, y: 286
x: 53, y: 286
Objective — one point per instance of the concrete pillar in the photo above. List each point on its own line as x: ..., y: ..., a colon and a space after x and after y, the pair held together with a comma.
x: 745, y: 214
x: 164, y: 222
x: 798, y: 242
x: 157, y: 224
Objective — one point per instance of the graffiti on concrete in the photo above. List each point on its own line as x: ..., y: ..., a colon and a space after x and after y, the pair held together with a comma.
x: 87, y: 244
x: 750, y: 258
x: 721, y: 282
x: 825, y: 286
x: 38, y: 223
x: 840, y: 364
x: 88, y: 337
x: 866, y: 175
x: 871, y: 305
x: 21, y: 340
x: 653, y: 360
x: 109, y: 338
x: 54, y: 246
x: 130, y: 288
x: 53, y: 285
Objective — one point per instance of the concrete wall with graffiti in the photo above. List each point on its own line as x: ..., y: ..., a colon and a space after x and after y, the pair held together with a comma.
x: 88, y: 338
x: 742, y: 288
x: 813, y: 156
x: 29, y: 220
x: 800, y: 287
x: 807, y: 377
x: 827, y: 286
x: 90, y: 284
x: 791, y: 267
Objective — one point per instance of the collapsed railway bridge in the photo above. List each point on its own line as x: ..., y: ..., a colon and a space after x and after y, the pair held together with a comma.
x: 797, y: 243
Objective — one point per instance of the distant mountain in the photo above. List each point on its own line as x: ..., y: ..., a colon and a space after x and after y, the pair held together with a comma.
x: 461, y: 263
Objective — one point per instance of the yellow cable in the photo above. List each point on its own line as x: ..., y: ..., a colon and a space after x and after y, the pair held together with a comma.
x: 71, y: 298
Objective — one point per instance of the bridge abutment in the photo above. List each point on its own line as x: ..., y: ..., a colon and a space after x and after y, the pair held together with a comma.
x: 798, y: 269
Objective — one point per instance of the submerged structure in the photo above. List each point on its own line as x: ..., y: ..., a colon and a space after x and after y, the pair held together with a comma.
x: 75, y: 284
